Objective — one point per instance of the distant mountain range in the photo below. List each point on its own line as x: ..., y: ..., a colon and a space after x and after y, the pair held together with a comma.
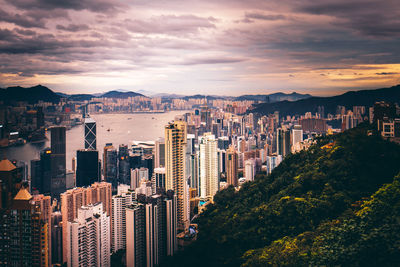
x: 348, y: 100
x: 118, y: 94
x: 286, y: 104
x: 31, y: 95
x: 42, y: 93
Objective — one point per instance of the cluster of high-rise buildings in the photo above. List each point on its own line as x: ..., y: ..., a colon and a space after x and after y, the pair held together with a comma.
x: 141, y: 198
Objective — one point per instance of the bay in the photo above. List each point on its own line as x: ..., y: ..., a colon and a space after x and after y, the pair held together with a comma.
x: 111, y: 128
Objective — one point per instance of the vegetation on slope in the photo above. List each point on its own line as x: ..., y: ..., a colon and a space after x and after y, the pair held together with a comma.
x: 307, y: 193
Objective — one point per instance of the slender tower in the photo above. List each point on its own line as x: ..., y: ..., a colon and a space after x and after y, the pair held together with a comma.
x: 175, y: 149
x: 90, y: 134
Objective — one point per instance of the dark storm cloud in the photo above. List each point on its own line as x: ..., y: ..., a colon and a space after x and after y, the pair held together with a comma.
x: 370, y: 18
x: 22, y: 20
x: 25, y: 32
x: 101, y: 6
x: 73, y: 27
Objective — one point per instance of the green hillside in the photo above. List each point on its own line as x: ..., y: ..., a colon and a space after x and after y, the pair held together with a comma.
x: 307, y: 211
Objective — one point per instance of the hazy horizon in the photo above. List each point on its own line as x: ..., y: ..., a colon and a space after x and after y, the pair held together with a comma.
x: 200, y: 47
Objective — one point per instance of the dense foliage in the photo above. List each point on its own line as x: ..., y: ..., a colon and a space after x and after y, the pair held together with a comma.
x: 307, y: 211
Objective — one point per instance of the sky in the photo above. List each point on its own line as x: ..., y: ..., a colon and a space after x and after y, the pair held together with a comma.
x: 218, y: 47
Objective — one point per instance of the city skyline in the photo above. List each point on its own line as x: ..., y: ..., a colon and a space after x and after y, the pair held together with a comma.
x: 224, y: 48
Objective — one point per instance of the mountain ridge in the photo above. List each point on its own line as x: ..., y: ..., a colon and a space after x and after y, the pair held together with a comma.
x: 348, y: 99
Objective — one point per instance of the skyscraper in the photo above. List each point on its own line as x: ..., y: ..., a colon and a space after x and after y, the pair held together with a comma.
x: 250, y: 169
x: 10, y: 182
x: 124, y: 171
x: 58, y: 161
x: 159, y: 153
x: 73, y: 199
x: 283, y: 142
x: 90, y: 134
x: 135, y: 233
x: 28, y: 233
x: 88, y: 237
x: 158, y: 179
x: 56, y: 238
x: 110, y: 168
x: 41, y: 172
x: 119, y: 203
x: 151, y: 229
x: 209, y: 182
x: 175, y: 149
x: 87, y: 171
x: 297, y: 134
x: 232, y: 165
x: 44, y: 204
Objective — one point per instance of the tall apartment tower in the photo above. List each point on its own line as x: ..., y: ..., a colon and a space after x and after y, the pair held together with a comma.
x: 232, y: 165
x: 209, y: 181
x: 88, y: 238
x: 44, y: 204
x: 296, y: 136
x: 73, y: 199
x: 58, y: 161
x: 10, y: 182
x: 283, y: 142
x: 118, y: 233
x: 175, y: 150
x: 90, y: 134
x: 135, y: 233
x: 56, y: 238
x: 151, y: 229
x: 28, y: 233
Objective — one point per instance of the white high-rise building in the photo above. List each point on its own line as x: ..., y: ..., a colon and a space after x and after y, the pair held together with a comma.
x: 250, y: 169
x: 119, y: 203
x: 208, y: 166
x: 88, y: 237
x: 297, y: 135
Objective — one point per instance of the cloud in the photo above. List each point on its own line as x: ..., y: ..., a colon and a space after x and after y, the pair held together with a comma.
x: 363, y: 16
x: 387, y: 73
x: 100, y: 6
x: 25, y: 32
x: 22, y: 20
x: 170, y: 24
x: 263, y: 41
x: 202, y: 59
x: 73, y: 27
x: 261, y: 16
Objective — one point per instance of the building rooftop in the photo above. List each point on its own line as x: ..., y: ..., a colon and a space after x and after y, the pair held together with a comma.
x: 6, y: 165
x: 23, y: 194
